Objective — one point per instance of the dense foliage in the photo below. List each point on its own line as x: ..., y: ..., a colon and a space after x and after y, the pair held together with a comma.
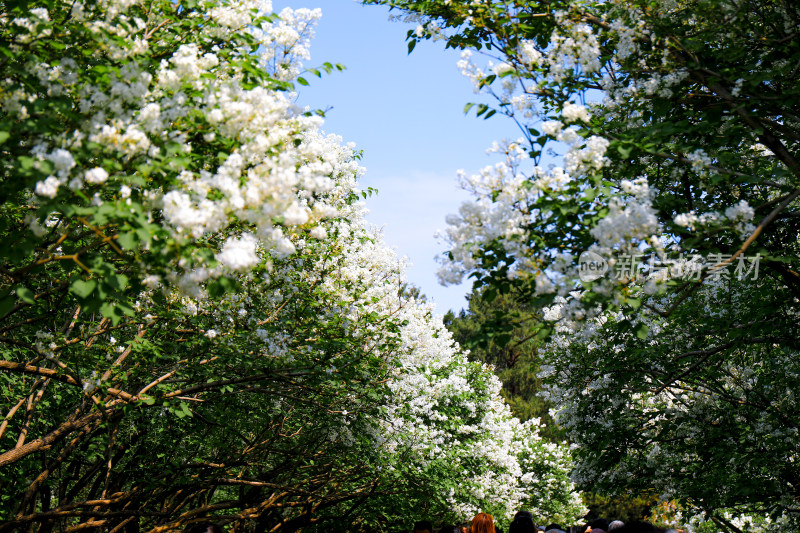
x: 513, y: 353
x: 195, y: 320
x: 650, y: 211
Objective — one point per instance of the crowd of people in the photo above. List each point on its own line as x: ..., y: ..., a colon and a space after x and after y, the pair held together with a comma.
x: 523, y: 523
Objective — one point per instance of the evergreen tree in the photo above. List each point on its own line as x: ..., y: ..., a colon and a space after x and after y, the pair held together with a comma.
x: 513, y: 352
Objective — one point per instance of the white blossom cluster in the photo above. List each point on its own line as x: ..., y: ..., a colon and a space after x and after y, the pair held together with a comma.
x: 740, y: 215
x: 574, y: 45
x: 145, y: 116
x: 508, y: 207
x: 508, y: 196
x: 450, y: 412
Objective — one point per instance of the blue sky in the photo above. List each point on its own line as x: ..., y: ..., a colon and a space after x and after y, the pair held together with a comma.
x: 406, y: 113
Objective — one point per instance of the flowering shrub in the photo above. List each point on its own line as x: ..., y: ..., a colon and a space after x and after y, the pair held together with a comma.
x: 195, y: 320
x: 657, y: 166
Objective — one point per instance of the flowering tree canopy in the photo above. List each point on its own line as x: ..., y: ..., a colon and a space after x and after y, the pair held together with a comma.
x: 195, y: 321
x: 648, y: 215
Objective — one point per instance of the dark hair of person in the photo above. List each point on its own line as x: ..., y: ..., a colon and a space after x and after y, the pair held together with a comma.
x: 599, y: 523
x: 449, y: 528
x: 423, y: 525
x: 638, y: 527
x: 203, y: 527
x: 523, y: 523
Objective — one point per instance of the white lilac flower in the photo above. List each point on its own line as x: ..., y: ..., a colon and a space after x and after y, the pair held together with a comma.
x: 741, y: 210
x: 96, y: 175
x: 62, y: 161
x: 48, y: 187
x: 551, y: 127
x: 239, y: 254
x: 575, y: 113
x: 318, y: 232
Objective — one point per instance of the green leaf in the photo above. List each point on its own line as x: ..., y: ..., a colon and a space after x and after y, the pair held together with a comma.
x: 302, y: 81
x: 641, y: 331
x: 183, y: 410
x: 25, y: 294
x: 127, y: 240
x: 110, y: 311
x: 118, y: 282
x: 4, y: 135
x: 25, y: 162
x: 83, y: 288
